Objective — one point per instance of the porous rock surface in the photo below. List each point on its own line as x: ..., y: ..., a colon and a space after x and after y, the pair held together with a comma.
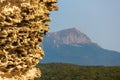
x: 23, y: 23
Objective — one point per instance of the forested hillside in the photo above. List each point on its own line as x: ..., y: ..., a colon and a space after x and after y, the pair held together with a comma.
x: 60, y: 71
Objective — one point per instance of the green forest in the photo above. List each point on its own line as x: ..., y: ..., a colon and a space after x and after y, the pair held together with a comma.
x: 62, y: 71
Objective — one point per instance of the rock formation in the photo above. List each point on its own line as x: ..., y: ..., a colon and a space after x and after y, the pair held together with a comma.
x: 23, y: 23
x: 71, y: 36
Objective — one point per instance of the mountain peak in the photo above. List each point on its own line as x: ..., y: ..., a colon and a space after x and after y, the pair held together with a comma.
x: 68, y: 36
x: 70, y: 30
x: 73, y: 46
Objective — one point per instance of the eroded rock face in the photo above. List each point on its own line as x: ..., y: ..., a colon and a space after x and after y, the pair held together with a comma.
x: 23, y: 23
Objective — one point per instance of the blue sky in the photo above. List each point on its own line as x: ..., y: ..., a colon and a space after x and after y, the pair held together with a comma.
x: 98, y: 19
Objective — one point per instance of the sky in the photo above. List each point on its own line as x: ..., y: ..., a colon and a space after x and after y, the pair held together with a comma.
x: 98, y: 19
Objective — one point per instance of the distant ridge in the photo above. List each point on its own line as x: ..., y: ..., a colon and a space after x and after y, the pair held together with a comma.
x: 73, y: 46
x: 67, y: 36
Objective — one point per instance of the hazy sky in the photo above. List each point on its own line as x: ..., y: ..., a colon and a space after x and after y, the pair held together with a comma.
x: 98, y: 19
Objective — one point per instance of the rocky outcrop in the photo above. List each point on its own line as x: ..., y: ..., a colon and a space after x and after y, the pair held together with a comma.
x: 67, y: 36
x: 23, y: 23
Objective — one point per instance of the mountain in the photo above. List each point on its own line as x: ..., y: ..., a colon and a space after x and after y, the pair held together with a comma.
x: 69, y: 36
x: 73, y: 46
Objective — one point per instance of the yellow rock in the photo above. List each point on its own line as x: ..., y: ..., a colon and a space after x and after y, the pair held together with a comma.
x: 23, y: 23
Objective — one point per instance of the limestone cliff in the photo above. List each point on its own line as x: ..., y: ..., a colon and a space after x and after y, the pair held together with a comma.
x: 70, y: 36
x: 23, y: 23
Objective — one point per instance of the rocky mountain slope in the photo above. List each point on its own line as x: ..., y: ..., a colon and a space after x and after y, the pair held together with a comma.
x: 68, y: 36
x: 73, y: 46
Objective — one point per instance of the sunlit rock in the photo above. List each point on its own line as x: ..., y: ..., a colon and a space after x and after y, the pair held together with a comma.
x: 23, y: 23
